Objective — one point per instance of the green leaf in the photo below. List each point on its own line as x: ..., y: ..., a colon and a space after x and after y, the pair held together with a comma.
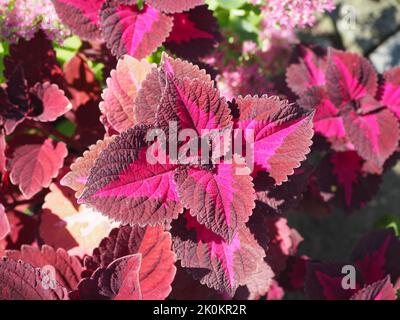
x: 66, y: 127
x: 231, y: 4
x: 4, y: 46
x: 389, y: 221
x: 67, y: 49
x: 156, y: 56
x: 97, y: 68
x: 222, y: 16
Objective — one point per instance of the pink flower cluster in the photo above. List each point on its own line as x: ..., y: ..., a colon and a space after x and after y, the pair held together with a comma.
x: 23, y: 18
x: 281, y: 17
x: 252, y: 71
x: 244, y: 80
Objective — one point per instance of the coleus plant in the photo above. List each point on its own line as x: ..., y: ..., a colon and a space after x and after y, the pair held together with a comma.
x: 341, y: 180
x: 138, y: 27
x: 38, y: 96
x: 204, y: 207
x: 354, y: 111
x: 210, y: 229
x: 33, y: 86
x: 32, y: 94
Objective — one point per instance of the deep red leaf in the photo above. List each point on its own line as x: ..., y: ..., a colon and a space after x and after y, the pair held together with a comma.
x: 193, y: 104
x: 278, y: 239
x: 294, y: 275
x: 118, y: 281
x: 89, y: 129
x: 37, y: 59
x: 271, y: 198
x: 15, y: 98
x: 346, y: 167
x: 185, y: 287
x: 23, y: 230
x: 374, y: 135
x: 194, y: 33
x: 20, y: 281
x: 97, y: 51
x: 223, y: 200
x: 349, y: 77
x: 126, y: 187
x: 157, y: 268
x: 209, y: 258
x: 154, y: 86
x: 324, y: 282
x: 81, y: 80
x: 375, y: 259
x: 3, y: 146
x: 377, y: 254
x: 342, y: 181
x: 68, y: 268
x: 43, y: 102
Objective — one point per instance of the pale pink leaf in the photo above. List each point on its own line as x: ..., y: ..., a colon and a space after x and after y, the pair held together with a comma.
x: 172, y: 6
x: 4, y: 224
x: 80, y: 169
x: 64, y: 224
x: 32, y: 167
x: 54, y: 101
x: 122, y: 89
